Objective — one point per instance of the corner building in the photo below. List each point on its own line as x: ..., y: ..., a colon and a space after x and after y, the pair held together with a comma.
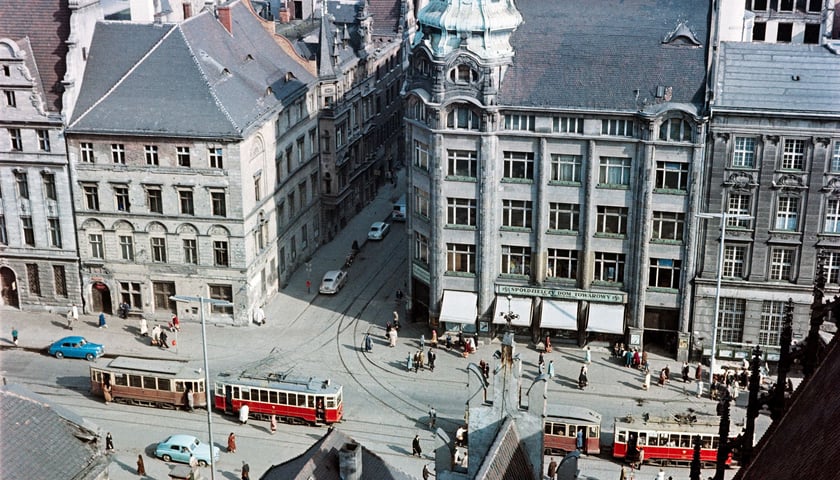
x: 555, y: 167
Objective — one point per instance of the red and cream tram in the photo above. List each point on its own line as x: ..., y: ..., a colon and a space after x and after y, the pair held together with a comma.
x: 562, y: 424
x: 155, y: 383
x: 667, y: 440
x: 292, y: 399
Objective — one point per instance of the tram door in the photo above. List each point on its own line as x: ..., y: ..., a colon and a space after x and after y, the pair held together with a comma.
x: 320, y: 412
x: 228, y: 399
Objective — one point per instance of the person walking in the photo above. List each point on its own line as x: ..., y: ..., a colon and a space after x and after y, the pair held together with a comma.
x: 432, y: 357
x: 698, y: 372
x: 144, y: 327
x: 231, y: 447
x: 14, y: 336
x: 699, y: 388
x: 623, y: 474
x: 662, y: 377
x: 193, y: 465
x: 156, y: 331
x: 552, y: 469
x: 434, y: 341
x: 368, y: 343
x: 392, y: 337
x: 422, y: 341
x: 109, y: 443
x: 587, y: 355
x: 102, y: 323
x: 176, y: 324
x: 190, y: 399
x: 427, y: 474
x: 141, y: 467
x: 409, y: 362
x: 646, y: 384
x: 551, y: 369
x: 163, y: 338
x: 660, y: 475
x: 637, y: 358
x: 628, y: 358
x: 246, y: 471
x: 415, y: 447
x: 273, y: 424
x: 432, y: 417
x: 74, y: 314
x: 583, y: 378
x: 685, y: 372
x: 579, y: 440
x: 540, y: 362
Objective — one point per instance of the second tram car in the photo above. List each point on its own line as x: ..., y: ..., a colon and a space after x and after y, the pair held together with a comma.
x: 562, y: 424
x: 303, y: 400
x: 155, y: 383
x: 667, y: 440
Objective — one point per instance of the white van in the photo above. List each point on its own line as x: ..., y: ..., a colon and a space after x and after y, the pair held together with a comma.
x: 399, y: 212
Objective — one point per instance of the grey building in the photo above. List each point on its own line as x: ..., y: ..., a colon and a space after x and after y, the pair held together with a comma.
x: 194, y: 164
x: 557, y: 162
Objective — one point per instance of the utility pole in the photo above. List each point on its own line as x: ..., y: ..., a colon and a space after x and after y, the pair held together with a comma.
x: 777, y: 403
x: 723, y: 433
x: 748, y: 436
x: 695, y: 459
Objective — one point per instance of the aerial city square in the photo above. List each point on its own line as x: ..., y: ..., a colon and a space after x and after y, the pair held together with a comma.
x: 414, y: 239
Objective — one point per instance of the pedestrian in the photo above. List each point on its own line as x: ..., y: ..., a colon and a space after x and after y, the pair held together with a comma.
x: 231, y: 447
x: 552, y: 469
x: 273, y: 424
x: 540, y: 361
x: 176, y: 324
x: 685, y: 372
x: 432, y: 357
x: 588, y: 355
x: 392, y: 337
x: 14, y: 336
x: 109, y: 443
x: 368, y: 343
x: 434, y: 341
x: 102, y: 323
x: 646, y: 384
x: 547, y: 344
x: 74, y: 313
x: 667, y: 371
x: 432, y: 417
x: 460, y: 436
x: 485, y: 370
x: 141, y: 467
x: 243, y: 415
x: 415, y: 447
x: 637, y: 359
x: 193, y: 464
x: 616, y: 352
x: 698, y: 372
x: 449, y: 341
x: 156, y: 331
x: 583, y: 378
x: 644, y: 358
x: 660, y: 475
x: 628, y: 358
x: 419, y: 359
x: 163, y: 338
x: 662, y: 377
x: 551, y: 369
x: 641, y: 458
x: 427, y: 473
x: 461, y: 343
x: 106, y: 389
x: 623, y: 475
x: 699, y: 388
x: 579, y: 440
x: 422, y: 341
x: 144, y: 327
x: 396, y: 319
x: 190, y: 399
x: 246, y: 471
x: 409, y: 362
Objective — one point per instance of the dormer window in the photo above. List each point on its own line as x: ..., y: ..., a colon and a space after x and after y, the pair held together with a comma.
x: 422, y: 66
x: 463, y: 74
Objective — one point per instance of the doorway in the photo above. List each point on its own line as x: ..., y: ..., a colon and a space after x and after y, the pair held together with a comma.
x: 100, y: 298
x: 8, y: 288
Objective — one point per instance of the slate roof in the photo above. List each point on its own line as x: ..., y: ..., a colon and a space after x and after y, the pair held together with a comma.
x: 386, y: 16
x: 320, y: 462
x: 802, y: 444
x: 47, y: 24
x: 192, y: 79
x: 763, y: 76
x: 595, y: 56
x: 507, y: 457
x: 65, y: 441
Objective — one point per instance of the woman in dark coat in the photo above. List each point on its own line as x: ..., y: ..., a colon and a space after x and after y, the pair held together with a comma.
x: 583, y: 379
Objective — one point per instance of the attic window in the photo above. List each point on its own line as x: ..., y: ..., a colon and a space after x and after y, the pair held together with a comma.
x: 289, y: 77
x: 681, y: 35
x: 268, y: 92
x: 225, y: 72
x: 249, y: 58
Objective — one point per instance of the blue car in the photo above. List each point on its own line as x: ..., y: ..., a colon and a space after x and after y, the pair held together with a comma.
x: 76, y: 347
x: 179, y: 448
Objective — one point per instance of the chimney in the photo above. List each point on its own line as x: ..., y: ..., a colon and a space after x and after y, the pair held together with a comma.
x: 187, y: 10
x: 223, y: 14
x: 350, y: 461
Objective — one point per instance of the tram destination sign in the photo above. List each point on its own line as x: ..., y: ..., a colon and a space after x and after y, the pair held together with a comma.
x: 552, y: 293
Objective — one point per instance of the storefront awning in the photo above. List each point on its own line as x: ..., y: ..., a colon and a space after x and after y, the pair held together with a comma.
x: 606, y: 318
x: 518, y: 305
x: 559, y: 315
x: 459, y: 307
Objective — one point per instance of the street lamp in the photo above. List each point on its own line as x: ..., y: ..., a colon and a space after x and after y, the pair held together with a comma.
x: 220, y: 303
x: 724, y: 218
x: 509, y: 316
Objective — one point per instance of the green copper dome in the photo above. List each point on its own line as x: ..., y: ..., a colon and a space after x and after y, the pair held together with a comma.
x: 482, y: 26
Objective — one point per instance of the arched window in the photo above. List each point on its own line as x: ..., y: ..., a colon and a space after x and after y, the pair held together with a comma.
x: 675, y: 130
x: 463, y: 117
x: 463, y: 74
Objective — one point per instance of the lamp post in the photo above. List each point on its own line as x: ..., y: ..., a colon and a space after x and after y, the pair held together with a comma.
x: 509, y: 316
x: 724, y: 217
x: 201, y: 302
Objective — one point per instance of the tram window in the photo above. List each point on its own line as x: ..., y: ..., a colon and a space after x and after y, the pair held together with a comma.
x: 302, y: 401
x: 164, y: 384
x: 339, y: 398
x: 622, y: 436
x: 236, y: 393
x: 560, y: 429
x: 255, y: 395
x: 199, y: 387
x: 673, y: 440
x: 150, y: 383
x: 715, y: 443
x: 642, y: 439
x: 96, y: 376
x: 663, y: 439
x: 246, y: 394
x: 120, y: 379
x: 653, y: 440
x: 593, y: 432
x: 281, y: 398
x: 179, y: 386
x: 685, y: 441
x: 264, y: 396
x: 135, y: 381
x: 272, y: 397
x: 330, y: 402
x: 706, y: 442
x: 310, y: 401
x: 547, y: 428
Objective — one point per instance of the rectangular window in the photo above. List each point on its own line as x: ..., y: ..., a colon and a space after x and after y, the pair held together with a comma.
x: 86, y: 151
x: 257, y: 188
x: 218, y: 203
x: 743, y: 155
x: 154, y: 199
x: 664, y: 273
x: 562, y: 263
x: 4, y: 238
x: 421, y: 247
x: 301, y: 153
x: 11, y: 100
x: 221, y: 292
x: 787, y: 213
x: 739, y: 204
x: 55, y: 232
x: 832, y: 267
x: 121, y: 202
x: 302, y: 196
x: 22, y: 182
x: 835, y: 158
x: 520, y: 122
x: 151, y: 154
x: 183, y: 156
x: 518, y: 166
x: 462, y: 163
x: 668, y: 226
x: 460, y: 211
x: 609, y: 267
x: 421, y: 202
x: 731, y: 320
x: 16, y: 139
x: 734, y: 257
x: 612, y: 220
x: 43, y: 140
x: 565, y: 168
x: 811, y: 35
x: 190, y: 251
x: 216, y: 157
x: 460, y: 258
x: 793, y: 155
x: 563, y: 216
x: 60, y: 280
x: 220, y: 253
x: 759, y: 31
x: 772, y: 319
x: 49, y: 186
x: 671, y: 176
x: 516, y: 260
x: 185, y: 198
x: 118, y: 153
x: 28, y: 231
x: 784, y: 32
x: 158, y: 245
x: 517, y: 213
x: 617, y: 127
x: 91, y: 197
x: 127, y: 247
x: 567, y: 125
x: 832, y: 216
x: 130, y: 294
x: 33, y: 278
x: 781, y: 263
x: 421, y: 155
x: 614, y: 171
x: 95, y: 241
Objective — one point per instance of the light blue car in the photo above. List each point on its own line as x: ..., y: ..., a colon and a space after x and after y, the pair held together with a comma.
x: 179, y: 448
x: 76, y: 347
